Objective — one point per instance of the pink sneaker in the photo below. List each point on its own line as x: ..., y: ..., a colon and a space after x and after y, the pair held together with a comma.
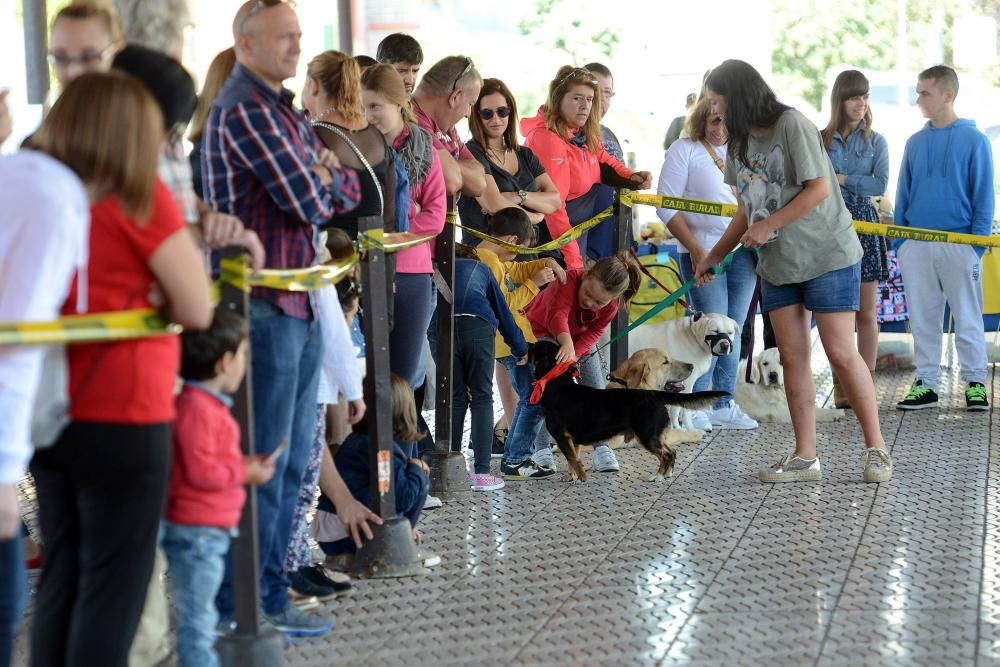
x: 485, y: 482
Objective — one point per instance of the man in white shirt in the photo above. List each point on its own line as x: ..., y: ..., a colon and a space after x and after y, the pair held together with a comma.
x: 43, y: 240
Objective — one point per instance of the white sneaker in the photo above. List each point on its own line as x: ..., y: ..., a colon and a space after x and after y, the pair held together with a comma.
x: 605, y: 460
x: 544, y: 458
x: 432, y: 502
x: 701, y: 420
x: 733, y: 417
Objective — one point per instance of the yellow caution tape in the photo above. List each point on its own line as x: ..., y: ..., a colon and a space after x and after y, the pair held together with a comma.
x: 91, y: 328
x: 918, y: 234
x: 680, y: 204
x: 563, y: 239
x: 236, y: 272
x: 390, y: 242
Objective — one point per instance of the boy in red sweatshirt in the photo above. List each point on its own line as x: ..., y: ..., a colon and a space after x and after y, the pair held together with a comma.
x: 206, y: 491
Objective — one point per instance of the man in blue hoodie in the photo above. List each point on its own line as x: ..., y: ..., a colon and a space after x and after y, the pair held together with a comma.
x: 945, y: 183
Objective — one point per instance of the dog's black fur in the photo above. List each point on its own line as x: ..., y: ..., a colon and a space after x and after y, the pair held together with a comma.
x: 576, y: 415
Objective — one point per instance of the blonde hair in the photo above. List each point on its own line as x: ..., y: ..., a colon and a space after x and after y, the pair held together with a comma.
x: 696, y: 124
x: 220, y: 69
x: 81, y: 10
x: 619, y: 275
x: 566, y: 78
x: 404, y: 411
x: 339, y: 77
x: 114, y: 154
x: 385, y: 80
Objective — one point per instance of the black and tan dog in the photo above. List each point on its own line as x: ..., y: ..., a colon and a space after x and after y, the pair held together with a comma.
x: 576, y: 415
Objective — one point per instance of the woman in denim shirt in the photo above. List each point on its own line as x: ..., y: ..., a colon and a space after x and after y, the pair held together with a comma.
x: 860, y: 157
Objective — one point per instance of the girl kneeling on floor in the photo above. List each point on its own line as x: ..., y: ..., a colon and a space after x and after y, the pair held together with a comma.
x: 574, y: 314
x: 353, y: 461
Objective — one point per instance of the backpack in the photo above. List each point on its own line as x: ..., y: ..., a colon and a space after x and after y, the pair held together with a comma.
x: 664, y: 267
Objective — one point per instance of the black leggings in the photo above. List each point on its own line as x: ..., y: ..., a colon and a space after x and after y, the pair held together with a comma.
x: 101, y: 489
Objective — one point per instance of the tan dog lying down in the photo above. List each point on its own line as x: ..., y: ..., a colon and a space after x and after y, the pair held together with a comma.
x: 763, y: 398
x: 651, y: 369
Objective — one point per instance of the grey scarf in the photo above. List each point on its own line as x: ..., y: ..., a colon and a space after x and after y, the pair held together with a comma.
x: 416, y: 154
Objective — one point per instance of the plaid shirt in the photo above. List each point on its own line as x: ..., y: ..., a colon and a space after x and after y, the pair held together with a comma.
x: 256, y: 153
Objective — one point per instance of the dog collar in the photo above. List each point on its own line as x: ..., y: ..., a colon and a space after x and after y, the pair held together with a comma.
x: 612, y: 378
x: 538, y: 386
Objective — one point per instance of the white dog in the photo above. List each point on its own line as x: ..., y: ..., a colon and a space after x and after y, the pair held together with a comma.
x: 693, y: 339
x: 763, y: 398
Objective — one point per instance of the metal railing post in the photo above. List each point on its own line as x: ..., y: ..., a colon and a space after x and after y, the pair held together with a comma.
x: 622, y: 241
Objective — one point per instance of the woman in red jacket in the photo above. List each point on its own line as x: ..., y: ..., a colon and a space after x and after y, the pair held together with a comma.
x: 566, y: 138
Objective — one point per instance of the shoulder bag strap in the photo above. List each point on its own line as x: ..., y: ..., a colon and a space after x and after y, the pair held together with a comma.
x: 718, y: 161
x: 361, y: 156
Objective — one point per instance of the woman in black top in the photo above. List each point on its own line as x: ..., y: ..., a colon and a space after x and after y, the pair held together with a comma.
x: 514, y: 177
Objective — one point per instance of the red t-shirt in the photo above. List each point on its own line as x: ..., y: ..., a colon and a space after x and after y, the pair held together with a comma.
x: 127, y: 382
x: 555, y: 311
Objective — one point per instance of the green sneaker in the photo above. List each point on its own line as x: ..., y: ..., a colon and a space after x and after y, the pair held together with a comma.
x: 975, y: 398
x: 920, y: 397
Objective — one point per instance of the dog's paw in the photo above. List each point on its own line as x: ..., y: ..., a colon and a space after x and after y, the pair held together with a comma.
x: 656, y: 477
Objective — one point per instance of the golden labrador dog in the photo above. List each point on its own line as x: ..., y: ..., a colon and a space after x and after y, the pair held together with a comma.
x: 763, y: 398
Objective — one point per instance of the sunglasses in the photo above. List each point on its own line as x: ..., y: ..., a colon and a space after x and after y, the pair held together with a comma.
x: 501, y: 112
x: 461, y: 75
x: 579, y: 73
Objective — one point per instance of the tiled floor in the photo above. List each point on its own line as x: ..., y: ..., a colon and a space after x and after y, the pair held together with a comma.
x: 711, y: 567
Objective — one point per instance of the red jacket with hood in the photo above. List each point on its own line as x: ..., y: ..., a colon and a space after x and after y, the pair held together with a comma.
x: 573, y: 170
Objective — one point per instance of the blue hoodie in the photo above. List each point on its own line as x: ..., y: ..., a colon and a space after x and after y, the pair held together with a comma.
x: 946, y: 181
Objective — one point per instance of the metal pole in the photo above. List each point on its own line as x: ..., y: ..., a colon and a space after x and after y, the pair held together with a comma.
x: 391, y: 552
x: 35, y: 50
x: 448, y: 469
x: 345, y: 25
x: 623, y: 227
x: 247, y: 646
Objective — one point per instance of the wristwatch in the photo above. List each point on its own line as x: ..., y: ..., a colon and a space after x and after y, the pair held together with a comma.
x: 523, y: 194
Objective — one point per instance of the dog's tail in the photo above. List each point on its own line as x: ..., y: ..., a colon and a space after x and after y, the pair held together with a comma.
x: 694, y: 401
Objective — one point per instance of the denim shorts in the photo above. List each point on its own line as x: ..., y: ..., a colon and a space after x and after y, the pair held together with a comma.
x: 832, y: 292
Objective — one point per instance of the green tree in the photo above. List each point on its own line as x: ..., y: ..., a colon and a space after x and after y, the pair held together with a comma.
x: 581, y: 37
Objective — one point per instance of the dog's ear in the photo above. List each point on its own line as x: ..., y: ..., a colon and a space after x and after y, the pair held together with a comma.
x: 755, y: 373
x: 697, y: 316
x: 635, y: 373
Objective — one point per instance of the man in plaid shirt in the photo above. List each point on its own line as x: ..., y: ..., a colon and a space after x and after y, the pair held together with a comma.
x: 262, y: 163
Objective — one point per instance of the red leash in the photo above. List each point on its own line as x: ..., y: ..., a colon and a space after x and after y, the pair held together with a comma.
x: 646, y: 272
x: 538, y: 386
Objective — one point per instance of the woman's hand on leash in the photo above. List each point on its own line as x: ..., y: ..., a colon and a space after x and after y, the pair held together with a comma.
x: 566, y: 353
x: 703, y: 271
x: 757, y: 234
x: 10, y: 515
x: 356, y: 410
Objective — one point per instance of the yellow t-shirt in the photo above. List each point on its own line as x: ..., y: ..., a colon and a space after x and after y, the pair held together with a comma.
x: 518, y: 290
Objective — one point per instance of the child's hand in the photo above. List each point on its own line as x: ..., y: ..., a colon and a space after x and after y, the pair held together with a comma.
x: 423, y: 466
x: 556, y: 269
x: 566, y: 353
x: 543, y: 277
x: 259, y: 469
x: 523, y: 361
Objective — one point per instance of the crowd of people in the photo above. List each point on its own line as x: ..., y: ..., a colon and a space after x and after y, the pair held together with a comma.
x: 110, y: 209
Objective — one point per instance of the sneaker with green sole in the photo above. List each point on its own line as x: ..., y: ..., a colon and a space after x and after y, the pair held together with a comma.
x: 918, y: 398
x: 791, y: 469
x: 975, y: 397
x: 878, y: 465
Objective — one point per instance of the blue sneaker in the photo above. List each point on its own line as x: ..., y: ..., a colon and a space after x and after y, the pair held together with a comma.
x: 297, y: 623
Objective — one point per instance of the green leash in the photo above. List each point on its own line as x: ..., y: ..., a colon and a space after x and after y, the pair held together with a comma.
x: 670, y: 299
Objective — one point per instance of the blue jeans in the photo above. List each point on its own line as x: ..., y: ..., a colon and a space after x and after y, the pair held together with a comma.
x: 13, y: 594
x: 285, y: 357
x: 413, y: 309
x: 835, y: 291
x: 730, y: 295
x: 526, y: 423
x: 196, y: 557
x: 474, y: 347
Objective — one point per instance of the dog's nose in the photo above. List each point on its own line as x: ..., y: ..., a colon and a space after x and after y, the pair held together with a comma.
x: 725, y: 347
x: 772, y: 378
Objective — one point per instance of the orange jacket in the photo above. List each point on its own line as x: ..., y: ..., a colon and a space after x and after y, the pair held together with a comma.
x: 573, y: 170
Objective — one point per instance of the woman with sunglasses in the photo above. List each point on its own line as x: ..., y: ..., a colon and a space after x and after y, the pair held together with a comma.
x: 693, y: 167
x: 566, y: 137
x: 514, y: 176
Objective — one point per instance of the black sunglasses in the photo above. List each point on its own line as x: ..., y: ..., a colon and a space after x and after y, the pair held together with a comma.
x: 502, y: 112
x: 461, y: 75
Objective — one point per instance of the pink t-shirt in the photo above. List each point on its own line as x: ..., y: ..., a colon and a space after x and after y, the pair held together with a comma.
x: 449, y: 140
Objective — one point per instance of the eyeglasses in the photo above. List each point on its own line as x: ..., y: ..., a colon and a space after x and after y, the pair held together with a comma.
x: 579, y: 73
x: 501, y: 112
x: 461, y: 75
x: 259, y: 5
x: 87, y: 58
x: 607, y: 93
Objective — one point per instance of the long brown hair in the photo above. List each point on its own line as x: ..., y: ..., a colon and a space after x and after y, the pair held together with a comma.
x: 619, y: 275
x: 339, y: 77
x: 114, y: 154
x: 220, y: 69
x: 405, y: 427
x: 81, y: 10
x: 566, y: 78
x: 849, y: 83
x: 476, y: 125
x: 385, y: 80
